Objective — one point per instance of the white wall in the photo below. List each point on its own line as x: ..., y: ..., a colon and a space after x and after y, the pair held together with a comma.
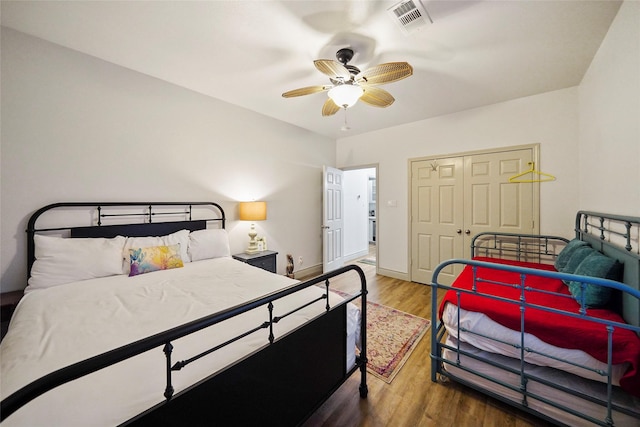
x: 76, y: 128
x: 589, y: 137
x: 356, y: 212
x: 610, y: 120
x: 550, y: 119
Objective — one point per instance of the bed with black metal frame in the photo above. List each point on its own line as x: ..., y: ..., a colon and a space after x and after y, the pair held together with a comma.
x: 282, y: 383
x: 506, y: 325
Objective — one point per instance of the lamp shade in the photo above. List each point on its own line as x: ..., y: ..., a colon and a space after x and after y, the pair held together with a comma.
x: 253, y: 211
x: 345, y: 95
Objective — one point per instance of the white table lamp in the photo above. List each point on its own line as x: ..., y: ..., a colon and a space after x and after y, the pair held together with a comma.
x: 252, y: 211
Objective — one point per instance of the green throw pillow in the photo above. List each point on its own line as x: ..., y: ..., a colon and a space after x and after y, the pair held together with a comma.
x: 567, y: 251
x: 578, y: 255
x: 596, y: 265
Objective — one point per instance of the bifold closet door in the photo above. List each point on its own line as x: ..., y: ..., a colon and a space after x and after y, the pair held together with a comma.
x: 492, y: 203
x: 455, y: 198
x: 437, y: 215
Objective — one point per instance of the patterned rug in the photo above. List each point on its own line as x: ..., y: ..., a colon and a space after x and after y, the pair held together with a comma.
x: 391, y: 337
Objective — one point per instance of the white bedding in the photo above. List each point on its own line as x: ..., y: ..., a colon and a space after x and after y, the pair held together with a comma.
x: 54, y: 327
x: 581, y: 363
x: 590, y: 388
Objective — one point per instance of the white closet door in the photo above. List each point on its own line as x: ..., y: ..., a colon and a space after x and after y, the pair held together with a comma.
x: 437, y: 211
x: 455, y: 198
x: 492, y: 203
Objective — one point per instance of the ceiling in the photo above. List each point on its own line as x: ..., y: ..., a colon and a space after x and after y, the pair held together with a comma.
x: 248, y: 53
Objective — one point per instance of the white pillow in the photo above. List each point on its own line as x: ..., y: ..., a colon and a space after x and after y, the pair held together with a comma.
x: 205, y: 244
x: 60, y: 260
x: 179, y: 237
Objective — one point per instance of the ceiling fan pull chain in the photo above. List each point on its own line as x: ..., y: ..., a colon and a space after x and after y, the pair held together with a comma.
x: 345, y: 127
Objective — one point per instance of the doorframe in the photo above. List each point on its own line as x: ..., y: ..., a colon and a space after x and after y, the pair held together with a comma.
x: 535, y: 147
x: 375, y: 166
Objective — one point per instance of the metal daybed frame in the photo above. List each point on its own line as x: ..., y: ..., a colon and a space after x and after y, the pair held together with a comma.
x: 283, y: 383
x: 617, y: 237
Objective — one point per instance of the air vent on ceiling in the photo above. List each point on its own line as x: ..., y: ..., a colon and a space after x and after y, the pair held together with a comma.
x: 410, y: 15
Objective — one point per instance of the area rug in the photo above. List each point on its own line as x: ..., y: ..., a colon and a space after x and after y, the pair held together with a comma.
x: 391, y: 337
x: 369, y: 261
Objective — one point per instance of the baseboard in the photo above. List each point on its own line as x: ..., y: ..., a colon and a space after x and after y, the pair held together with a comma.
x: 316, y: 270
x: 309, y: 272
x: 354, y: 256
x: 393, y: 274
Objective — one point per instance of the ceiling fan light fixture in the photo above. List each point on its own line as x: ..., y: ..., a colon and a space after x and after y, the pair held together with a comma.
x: 346, y: 95
x: 349, y: 84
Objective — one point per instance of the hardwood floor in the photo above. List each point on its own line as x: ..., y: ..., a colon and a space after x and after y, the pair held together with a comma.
x: 412, y: 399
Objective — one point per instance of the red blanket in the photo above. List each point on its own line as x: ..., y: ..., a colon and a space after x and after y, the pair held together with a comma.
x: 555, y: 329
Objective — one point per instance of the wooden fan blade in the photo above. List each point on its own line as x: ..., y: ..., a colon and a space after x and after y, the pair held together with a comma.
x: 385, y: 73
x: 376, y: 97
x: 329, y: 108
x: 333, y: 69
x: 306, y: 91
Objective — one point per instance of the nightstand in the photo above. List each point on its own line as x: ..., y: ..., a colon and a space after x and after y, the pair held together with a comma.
x: 265, y: 259
x: 8, y: 303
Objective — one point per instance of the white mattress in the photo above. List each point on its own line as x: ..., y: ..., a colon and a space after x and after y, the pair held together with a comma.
x: 576, y: 362
x: 590, y: 388
x: 54, y: 327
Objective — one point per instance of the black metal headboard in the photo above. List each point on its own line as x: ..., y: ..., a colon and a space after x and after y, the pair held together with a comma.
x: 131, y: 219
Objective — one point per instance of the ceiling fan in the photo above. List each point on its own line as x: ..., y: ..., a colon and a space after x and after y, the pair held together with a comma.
x: 349, y: 84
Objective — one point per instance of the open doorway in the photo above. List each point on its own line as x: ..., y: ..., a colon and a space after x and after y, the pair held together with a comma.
x: 360, y: 215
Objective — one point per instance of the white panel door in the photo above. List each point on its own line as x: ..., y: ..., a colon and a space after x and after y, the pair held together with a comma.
x: 492, y: 203
x: 453, y: 199
x: 436, y: 216
x: 332, y: 219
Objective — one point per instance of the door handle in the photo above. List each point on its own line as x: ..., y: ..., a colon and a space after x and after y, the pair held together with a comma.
x: 325, y: 227
x: 459, y: 231
x: 467, y: 232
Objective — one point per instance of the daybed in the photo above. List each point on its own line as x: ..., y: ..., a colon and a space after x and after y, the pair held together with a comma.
x: 548, y: 325
x: 154, y: 323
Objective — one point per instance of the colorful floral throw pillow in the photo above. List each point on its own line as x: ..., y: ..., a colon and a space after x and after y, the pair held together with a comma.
x: 146, y: 260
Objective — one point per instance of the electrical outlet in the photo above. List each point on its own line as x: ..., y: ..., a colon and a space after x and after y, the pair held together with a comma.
x: 300, y: 260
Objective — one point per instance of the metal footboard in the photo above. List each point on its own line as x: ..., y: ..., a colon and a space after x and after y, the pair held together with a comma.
x: 163, y: 342
x: 269, y: 378
x: 441, y: 363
